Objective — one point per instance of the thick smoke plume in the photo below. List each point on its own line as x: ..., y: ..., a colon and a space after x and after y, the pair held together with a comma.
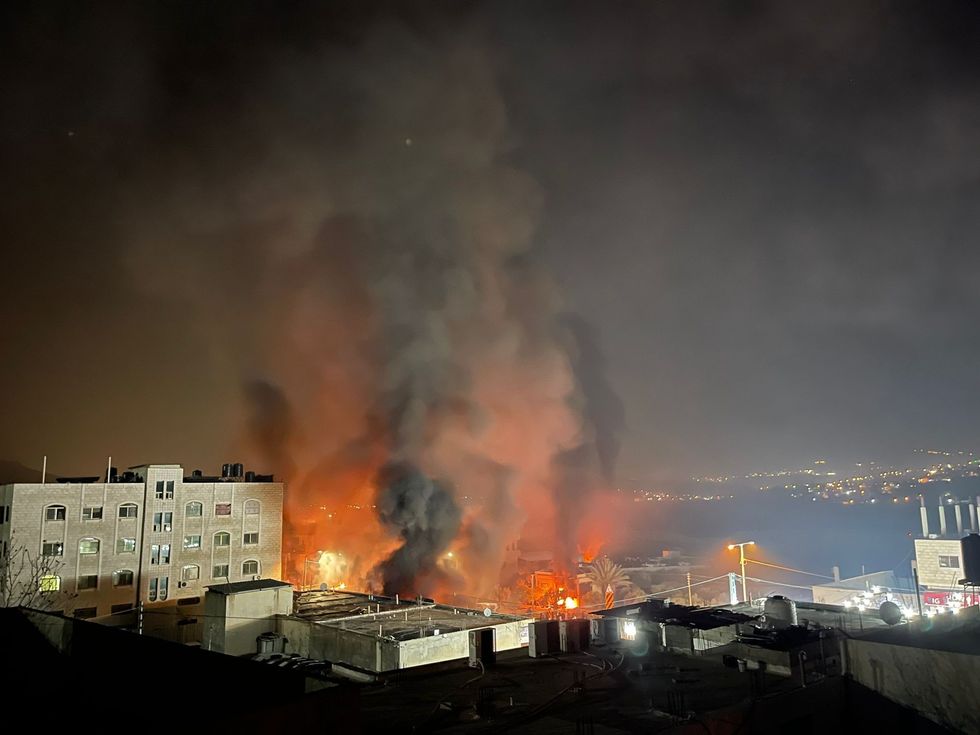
x: 366, y: 219
x: 424, y: 514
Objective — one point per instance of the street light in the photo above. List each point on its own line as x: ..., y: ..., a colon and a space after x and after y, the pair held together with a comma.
x: 741, y: 562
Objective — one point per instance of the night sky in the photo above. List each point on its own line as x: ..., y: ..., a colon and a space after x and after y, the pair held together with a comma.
x: 766, y: 212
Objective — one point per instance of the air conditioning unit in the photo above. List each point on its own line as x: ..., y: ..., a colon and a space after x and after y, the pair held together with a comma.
x: 256, y: 576
x: 182, y: 584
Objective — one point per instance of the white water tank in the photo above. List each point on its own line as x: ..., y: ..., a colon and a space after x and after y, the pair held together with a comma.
x: 780, y: 611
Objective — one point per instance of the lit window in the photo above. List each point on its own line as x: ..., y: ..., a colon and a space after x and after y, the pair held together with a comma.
x: 250, y: 538
x: 122, y: 578
x: 54, y: 513
x: 88, y: 546
x: 222, y: 539
x: 128, y: 510
x: 194, y: 510
x: 250, y: 567
x: 125, y: 546
x: 222, y: 509
x: 219, y: 571
x: 252, y: 507
x: 92, y: 514
x: 153, y: 589
x: 52, y: 548
x: 164, y: 581
x: 190, y: 572
x: 629, y: 631
x: 192, y: 542
x: 949, y: 562
x: 49, y: 583
x: 88, y: 581
x: 159, y: 553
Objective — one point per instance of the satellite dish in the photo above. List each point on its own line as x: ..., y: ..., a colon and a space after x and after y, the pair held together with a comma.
x: 487, y: 611
x: 890, y: 612
x: 323, y: 587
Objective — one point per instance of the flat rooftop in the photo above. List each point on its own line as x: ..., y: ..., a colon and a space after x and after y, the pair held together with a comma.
x: 402, y: 619
x: 250, y: 585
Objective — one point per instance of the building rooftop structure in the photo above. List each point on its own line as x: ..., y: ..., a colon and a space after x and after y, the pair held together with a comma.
x: 249, y: 585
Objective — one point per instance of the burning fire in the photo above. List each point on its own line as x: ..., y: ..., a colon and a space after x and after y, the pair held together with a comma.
x: 569, y: 603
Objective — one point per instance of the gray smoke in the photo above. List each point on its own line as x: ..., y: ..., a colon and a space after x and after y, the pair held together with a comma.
x: 423, y: 513
x: 270, y: 426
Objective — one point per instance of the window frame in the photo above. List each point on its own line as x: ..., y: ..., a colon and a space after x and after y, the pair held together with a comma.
x: 98, y: 546
x: 78, y: 582
x: 46, y: 578
x: 117, y: 575
x: 223, y: 505
x: 225, y: 536
x: 127, y: 515
x: 188, y: 567
x: 125, y: 551
x: 258, y: 567
x: 252, y: 503
x: 59, y: 544
x: 189, y: 543
x: 245, y: 538
x: 216, y: 567
x: 88, y: 513
x: 60, y: 512
x: 198, y: 506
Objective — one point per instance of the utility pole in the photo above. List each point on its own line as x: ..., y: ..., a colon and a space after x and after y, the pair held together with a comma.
x: 741, y: 562
x: 690, y: 598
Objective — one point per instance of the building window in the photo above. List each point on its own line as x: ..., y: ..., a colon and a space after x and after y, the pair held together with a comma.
x: 88, y: 581
x: 54, y: 513
x: 949, y: 562
x: 52, y: 548
x: 159, y: 490
x: 49, y: 583
x: 92, y: 514
x: 219, y: 571
x: 250, y: 567
x: 125, y: 546
x: 169, y: 492
x: 160, y: 554
x: 192, y: 542
x: 88, y: 546
x: 190, y: 572
x: 252, y: 507
x: 250, y: 538
x: 222, y: 509
x: 163, y: 522
x: 152, y: 596
x: 164, y: 581
x: 185, y: 601
x: 121, y: 608
x: 122, y: 578
x: 128, y: 510
x: 222, y: 538
x: 84, y: 613
x: 194, y: 510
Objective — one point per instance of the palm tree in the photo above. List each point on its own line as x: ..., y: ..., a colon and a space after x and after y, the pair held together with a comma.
x: 605, y: 574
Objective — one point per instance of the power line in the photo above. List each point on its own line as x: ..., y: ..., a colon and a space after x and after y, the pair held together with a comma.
x: 786, y: 569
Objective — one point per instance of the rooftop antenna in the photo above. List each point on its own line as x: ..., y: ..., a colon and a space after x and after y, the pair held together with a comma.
x: 108, y: 470
x: 44, y: 468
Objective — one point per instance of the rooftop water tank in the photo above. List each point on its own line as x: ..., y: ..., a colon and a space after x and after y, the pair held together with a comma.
x: 780, y: 611
x: 970, y: 551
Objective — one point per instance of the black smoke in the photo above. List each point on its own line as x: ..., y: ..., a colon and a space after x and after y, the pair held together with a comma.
x: 270, y: 425
x: 423, y: 513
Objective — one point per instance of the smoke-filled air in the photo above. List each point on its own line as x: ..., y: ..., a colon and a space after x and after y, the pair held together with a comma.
x: 415, y: 377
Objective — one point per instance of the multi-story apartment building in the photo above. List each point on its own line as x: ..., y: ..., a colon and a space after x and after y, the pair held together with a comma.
x: 146, y: 537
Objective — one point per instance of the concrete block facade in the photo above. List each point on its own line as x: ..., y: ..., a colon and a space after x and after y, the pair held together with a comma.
x: 939, y: 562
x: 162, y: 538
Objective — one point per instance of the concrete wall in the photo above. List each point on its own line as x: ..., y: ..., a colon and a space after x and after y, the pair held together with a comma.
x: 234, y: 621
x: 940, y: 685
x: 927, y: 553
x: 332, y: 642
